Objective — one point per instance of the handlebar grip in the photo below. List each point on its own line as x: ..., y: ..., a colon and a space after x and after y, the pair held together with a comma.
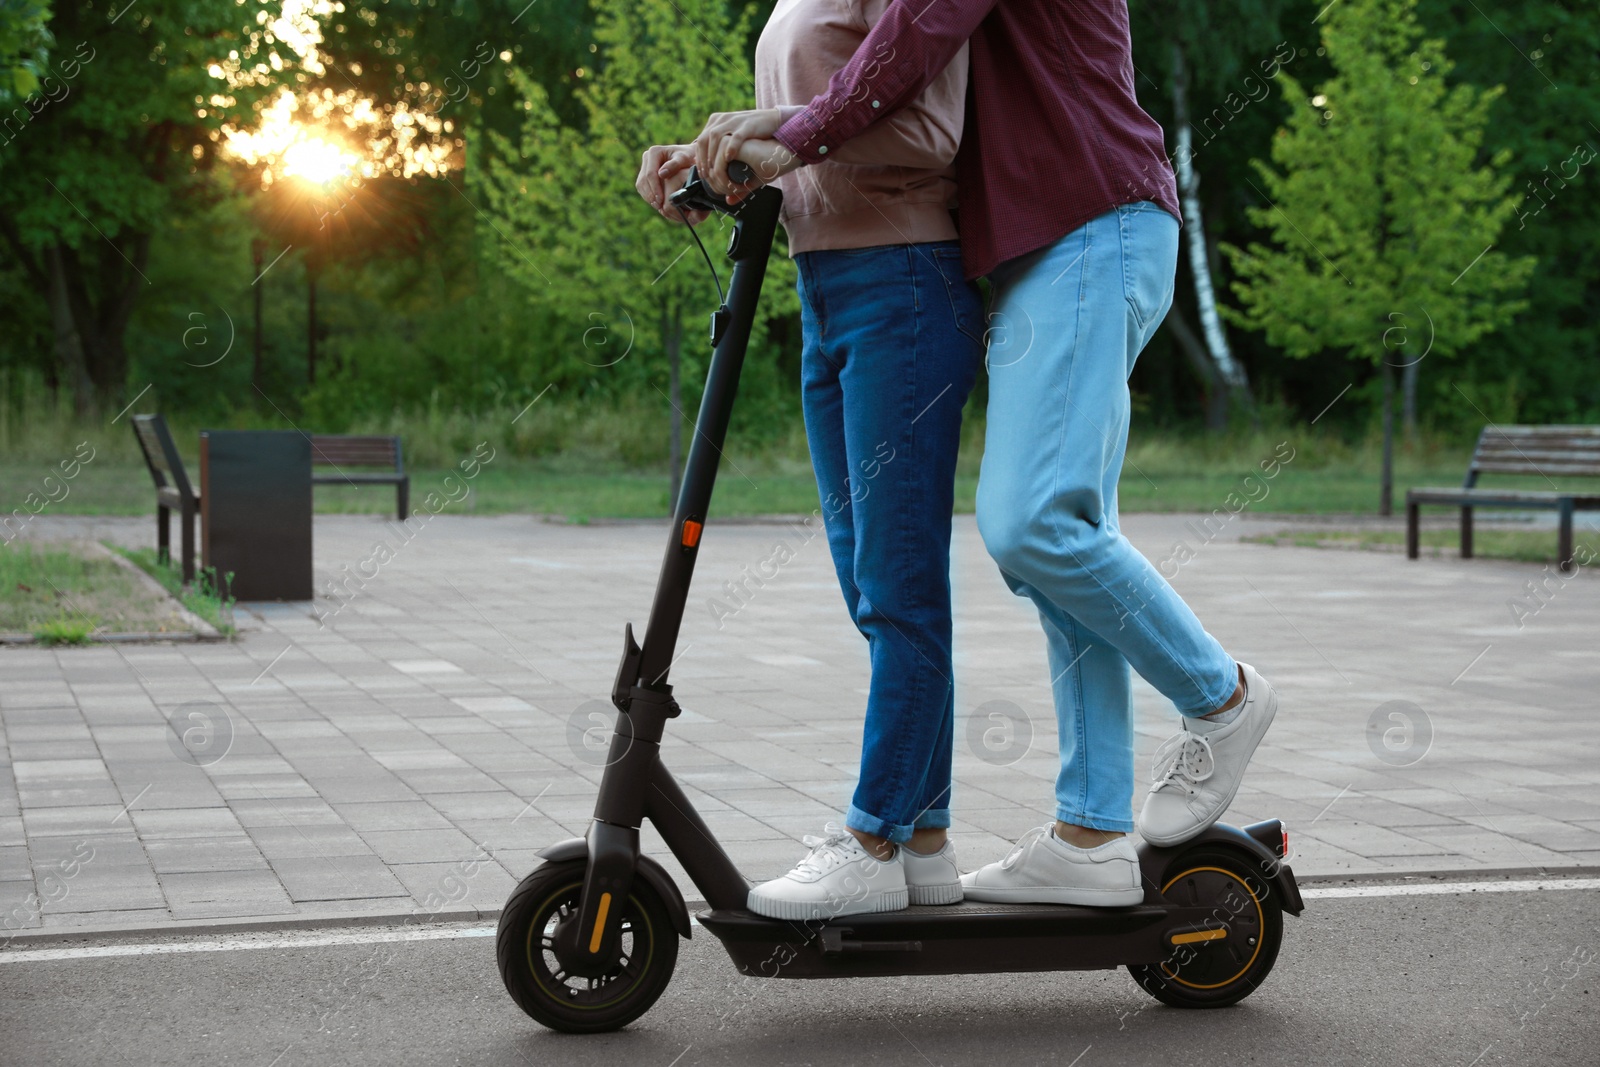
x: 741, y: 172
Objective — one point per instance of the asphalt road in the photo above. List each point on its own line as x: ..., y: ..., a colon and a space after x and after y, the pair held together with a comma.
x: 1461, y: 980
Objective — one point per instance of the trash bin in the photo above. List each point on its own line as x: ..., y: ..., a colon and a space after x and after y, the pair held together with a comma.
x: 255, y: 506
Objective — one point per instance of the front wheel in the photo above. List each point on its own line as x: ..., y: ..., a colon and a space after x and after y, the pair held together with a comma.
x: 1225, y: 961
x: 535, y: 978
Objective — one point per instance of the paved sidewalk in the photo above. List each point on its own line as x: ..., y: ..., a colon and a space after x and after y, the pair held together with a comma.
x: 410, y: 753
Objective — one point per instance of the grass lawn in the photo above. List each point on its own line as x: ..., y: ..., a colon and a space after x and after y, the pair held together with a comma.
x: 1161, y: 474
x: 1523, y: 546
x: 62, y: 594
x: 1314, y: 470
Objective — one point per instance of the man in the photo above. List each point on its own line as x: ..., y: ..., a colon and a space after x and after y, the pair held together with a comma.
x: 1068, y: 205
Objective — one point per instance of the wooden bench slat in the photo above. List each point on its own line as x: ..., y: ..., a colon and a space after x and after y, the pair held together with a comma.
x: 1587, y: 454
x: 1505, y: 448
x: 1569, y: 429
x: 1483, y: 462
x: 1546, y: 469
x: 358, y: 478
x: 333, y: 452
x: 1475, y: 496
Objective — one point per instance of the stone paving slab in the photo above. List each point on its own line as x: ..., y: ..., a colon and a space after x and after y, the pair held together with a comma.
x: 407, y: 744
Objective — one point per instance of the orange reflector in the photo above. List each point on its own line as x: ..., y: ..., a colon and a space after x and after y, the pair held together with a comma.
x: 1199, y: 935
x: 600, y: 922
x: 691, y: 532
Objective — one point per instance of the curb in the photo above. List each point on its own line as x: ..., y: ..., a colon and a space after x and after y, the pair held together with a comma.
x: 203, y: 630
x: 345, y: 920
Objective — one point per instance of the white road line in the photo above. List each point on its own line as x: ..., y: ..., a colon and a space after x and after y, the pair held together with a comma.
x: 384, y: 935
x: 303, y: 939
x: 1445, y: 888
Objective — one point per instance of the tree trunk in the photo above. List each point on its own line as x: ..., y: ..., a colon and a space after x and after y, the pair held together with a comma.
x: 674, y: 330
x: 1386, y: 494
x: 1228, y: 369
x: 1215, y: 390
x: 311, y: 325
x: 257, y: 253
x: 89, y: 321
x: 69, y: 347
x: 1408, y: 400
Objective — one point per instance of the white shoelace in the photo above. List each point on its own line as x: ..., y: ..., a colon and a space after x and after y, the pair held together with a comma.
x: 827, y: 851
x: 1185, y: 759
x: 1022, y: 846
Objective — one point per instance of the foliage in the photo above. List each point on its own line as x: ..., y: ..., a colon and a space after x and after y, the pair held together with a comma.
x: 1384, y: 219
x: 66, y: 629
x: 439, y: 338
x: 117, y: 147
x: 1544, y: 52
x: 1381, y: 217
x: 24, y: 47
x: 560, y: 200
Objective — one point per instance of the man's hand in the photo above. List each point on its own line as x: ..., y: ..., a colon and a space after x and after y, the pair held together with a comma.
x: 724, y: 135
x: 662, y: 172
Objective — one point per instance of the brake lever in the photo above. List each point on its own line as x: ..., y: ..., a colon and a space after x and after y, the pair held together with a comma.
x: 696, y: 195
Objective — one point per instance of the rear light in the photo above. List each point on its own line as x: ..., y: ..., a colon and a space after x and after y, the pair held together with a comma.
x: 1283, y: 849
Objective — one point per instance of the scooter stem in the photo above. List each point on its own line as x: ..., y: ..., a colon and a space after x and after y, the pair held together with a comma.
x: 755, y: 222
x: 641, y: 683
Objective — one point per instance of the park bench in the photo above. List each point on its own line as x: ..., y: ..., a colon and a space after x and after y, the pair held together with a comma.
x: 173, y: 490
x: 348, y: 450
x: 1546, y: 451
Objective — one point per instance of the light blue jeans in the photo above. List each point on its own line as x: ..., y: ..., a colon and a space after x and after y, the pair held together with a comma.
x: 1069, y: 321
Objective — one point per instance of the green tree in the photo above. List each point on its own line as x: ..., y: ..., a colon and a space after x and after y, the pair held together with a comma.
x: 24, y: 47
x: 1382, y: 214
x: 561, y: 203
x: 115, y: 145
x: 1240, y: 48
x: 1544, y: 52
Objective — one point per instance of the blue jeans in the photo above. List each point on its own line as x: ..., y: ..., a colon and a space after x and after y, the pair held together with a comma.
x: 1071, y: 319
x: 892, y: 343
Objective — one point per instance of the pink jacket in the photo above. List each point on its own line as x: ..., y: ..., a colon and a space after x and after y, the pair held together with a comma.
x: 894, y: 184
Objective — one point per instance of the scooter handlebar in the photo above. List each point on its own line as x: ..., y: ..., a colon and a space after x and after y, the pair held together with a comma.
x: 696, y: 195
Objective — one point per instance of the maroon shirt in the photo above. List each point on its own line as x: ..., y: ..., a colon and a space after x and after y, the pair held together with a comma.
x: 1054, y: 134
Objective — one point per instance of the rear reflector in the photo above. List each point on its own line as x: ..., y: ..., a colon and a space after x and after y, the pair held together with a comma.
x: 691, y: 532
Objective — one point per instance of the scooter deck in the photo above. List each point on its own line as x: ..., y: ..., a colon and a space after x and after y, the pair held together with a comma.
x: 969, y: 937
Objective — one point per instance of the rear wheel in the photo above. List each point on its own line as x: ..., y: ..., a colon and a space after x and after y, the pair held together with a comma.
x: 1230, y: 954
x: 542, y: 987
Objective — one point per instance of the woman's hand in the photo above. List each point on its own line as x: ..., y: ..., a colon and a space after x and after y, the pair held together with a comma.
x: 662, y: 172
x: 724, y: 135
x: 769, y: 159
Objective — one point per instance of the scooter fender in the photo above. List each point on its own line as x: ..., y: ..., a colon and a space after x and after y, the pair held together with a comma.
x: 576, y: 848
x: 1154, y: 861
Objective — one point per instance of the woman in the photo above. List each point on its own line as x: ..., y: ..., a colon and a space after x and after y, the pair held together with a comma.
x: 892, y: 342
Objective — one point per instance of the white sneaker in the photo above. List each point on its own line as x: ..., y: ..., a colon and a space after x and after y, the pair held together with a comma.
x: 838, y: 877
x: 1043, y: 869
x: 1198, y: 770
x: 932, y: 877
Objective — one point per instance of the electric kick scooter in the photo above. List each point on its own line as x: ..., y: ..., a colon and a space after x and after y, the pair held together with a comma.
x: 588, y: 941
